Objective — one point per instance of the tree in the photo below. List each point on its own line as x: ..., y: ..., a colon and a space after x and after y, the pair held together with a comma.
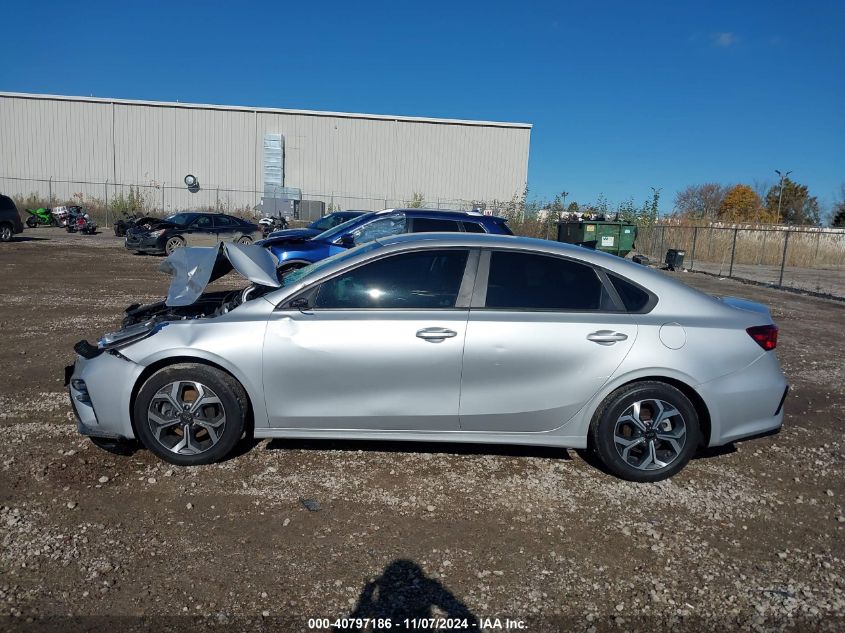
x: 797, y: 206
x: 417, y: 201
x: 701, y: 201
x: 741, y: 204
x: 838, y: 212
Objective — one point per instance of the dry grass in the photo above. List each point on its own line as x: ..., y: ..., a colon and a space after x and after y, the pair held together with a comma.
x: 806, y: 248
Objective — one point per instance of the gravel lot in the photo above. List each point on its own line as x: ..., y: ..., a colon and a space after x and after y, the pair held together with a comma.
x: 746, y: 537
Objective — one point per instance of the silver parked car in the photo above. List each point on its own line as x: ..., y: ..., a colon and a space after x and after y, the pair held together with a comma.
x: 437, y: 337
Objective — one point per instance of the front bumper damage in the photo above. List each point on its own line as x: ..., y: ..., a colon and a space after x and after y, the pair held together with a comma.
x: 100, y: 391
x: 144, y: 243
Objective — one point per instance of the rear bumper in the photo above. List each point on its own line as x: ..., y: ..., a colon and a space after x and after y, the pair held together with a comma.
x: 747, y: 403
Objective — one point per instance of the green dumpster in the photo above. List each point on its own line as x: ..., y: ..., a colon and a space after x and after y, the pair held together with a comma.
x: 616, y: 238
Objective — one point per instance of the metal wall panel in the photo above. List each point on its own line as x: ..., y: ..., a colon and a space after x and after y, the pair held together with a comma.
x: 355, y: 161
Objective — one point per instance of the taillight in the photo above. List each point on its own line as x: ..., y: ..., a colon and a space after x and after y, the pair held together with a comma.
x: 766, y: 336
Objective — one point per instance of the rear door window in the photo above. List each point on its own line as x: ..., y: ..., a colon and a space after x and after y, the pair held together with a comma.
x: 525, y: 281
x: 434, y: 225
x: 473, y: 227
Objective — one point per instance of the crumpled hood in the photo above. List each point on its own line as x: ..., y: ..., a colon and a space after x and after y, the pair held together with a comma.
x: 194, y: 267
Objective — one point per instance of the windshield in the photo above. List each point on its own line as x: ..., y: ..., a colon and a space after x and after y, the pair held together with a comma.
x: 295, y: 276
x: 332, y: 234
x: 179, y: 218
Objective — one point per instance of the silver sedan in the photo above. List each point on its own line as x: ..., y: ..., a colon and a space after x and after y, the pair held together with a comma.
x: 435, y: 337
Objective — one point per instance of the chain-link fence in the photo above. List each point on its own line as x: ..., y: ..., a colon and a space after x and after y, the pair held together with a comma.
x: 809, y: 259
x: 107, y: 201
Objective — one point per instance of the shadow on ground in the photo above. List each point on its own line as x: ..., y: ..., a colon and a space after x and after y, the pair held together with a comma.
x: 404, y: 598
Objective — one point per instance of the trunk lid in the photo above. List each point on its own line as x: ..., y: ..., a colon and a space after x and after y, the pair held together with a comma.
x: 748, y: 306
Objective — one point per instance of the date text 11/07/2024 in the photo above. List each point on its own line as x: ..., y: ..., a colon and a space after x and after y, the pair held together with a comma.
x: 434, y: 624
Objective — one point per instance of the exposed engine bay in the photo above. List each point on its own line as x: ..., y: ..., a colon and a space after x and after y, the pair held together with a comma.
x: 208, y: 305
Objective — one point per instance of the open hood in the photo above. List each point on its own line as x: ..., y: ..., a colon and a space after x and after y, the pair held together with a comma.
x: 193, y: 268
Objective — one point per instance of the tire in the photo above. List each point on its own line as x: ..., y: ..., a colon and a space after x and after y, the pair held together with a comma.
x: 634, y: 437
x: 31, y: 222
x: 211, y: 434
x: 244, y: 239
x: 5, y: 233
x: 173, y: 243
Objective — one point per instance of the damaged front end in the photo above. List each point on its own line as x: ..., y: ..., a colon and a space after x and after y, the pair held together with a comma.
x: 192, y: 269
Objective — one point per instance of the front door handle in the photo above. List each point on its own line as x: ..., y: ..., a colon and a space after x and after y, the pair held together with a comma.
x: 606, y: 337
x: 435, y: 334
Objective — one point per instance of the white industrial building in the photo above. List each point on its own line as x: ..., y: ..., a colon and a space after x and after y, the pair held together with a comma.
x: 96, y: 148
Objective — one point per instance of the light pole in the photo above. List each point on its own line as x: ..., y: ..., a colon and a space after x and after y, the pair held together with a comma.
x: 780, y: 195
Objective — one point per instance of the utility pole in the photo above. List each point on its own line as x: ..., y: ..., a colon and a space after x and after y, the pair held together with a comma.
x: 780, y: 195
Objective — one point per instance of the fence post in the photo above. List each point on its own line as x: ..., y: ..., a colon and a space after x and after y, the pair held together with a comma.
x: 733, y: 251
x: 162, y: 198
x: 50, y: 188
x: 694, y: 240
x: 217, y: 203
x: 783, y: 258
x: 662, y: 242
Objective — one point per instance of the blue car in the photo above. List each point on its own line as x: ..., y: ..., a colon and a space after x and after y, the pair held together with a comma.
x: 318, y: 226
x: 296, y: 252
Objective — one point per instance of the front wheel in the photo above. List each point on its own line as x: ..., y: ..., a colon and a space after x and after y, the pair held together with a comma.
x: 5, y: 233
x: 173, y: 244
x: 31, y: 222
x: 645, y: 432
x: 190, y: 414
x: 245, y: 239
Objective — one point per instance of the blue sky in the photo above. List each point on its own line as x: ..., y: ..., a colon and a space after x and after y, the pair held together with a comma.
x: 623, y: 95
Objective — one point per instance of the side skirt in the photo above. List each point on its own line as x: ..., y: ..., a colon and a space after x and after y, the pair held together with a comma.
x: 472, y: 437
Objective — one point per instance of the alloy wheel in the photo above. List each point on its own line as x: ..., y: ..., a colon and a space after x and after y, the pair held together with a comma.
x: 186, y: 417
x: 650, y: 434
x: 172, y: 244
x: 5, y: 233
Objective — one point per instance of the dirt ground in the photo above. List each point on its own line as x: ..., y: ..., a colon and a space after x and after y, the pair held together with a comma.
x: 747, y: 537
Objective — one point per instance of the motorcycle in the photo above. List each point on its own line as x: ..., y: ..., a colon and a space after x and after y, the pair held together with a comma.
x: 270, y: 224
x: 79, y: 221
x: 40, y: 216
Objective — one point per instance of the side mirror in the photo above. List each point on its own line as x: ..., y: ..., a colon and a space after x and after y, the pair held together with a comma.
x: 347, y: 240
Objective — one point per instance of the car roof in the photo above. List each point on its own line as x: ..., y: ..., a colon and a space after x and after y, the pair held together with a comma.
x: 455, y: 214
x: 613, y: 263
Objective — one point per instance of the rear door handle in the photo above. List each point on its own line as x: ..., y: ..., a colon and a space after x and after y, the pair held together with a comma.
x: 606, y: 337
x: 435, y: 334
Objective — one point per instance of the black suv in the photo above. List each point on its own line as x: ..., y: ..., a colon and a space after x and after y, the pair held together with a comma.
x: 10, y: 219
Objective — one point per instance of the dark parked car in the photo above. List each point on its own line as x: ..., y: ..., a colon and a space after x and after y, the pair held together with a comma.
x: 10, y: 219
x: 317, y: 226
x: 297, y: 252
x: 189, y: 228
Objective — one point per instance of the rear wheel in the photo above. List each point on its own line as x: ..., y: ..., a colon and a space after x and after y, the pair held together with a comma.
x: 173, y: 244
x: 190, y: 414
x: 5, y: 233
x: 645, y: 432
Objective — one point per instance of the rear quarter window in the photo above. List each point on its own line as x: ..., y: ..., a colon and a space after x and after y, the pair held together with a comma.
x: 633, y: 297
